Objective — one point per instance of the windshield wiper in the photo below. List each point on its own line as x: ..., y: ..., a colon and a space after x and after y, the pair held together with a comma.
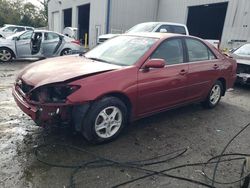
x: 97, y: 59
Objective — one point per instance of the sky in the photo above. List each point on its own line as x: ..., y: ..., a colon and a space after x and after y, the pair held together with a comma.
x: 35, y: 2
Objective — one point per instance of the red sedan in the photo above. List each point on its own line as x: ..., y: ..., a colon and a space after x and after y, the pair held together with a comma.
x: 124, y: 79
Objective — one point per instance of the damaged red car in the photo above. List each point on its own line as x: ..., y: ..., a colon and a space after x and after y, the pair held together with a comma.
x: 124, y: 79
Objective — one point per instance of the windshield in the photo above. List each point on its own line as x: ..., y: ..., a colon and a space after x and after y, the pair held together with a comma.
x: 243, y: 50
x: 144, y: 27
x: 122, y: 50
x: 16, y: 35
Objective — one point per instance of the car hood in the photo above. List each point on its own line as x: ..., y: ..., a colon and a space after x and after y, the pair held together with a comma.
x: 61, y: 69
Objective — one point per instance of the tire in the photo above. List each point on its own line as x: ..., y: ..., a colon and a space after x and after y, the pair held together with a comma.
x: 100, y: 125
x: 214, y: 96
x: 66, y: 52
x: 6, y: 55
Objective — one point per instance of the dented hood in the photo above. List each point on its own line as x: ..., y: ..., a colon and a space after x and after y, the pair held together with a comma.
x: 61, y: 69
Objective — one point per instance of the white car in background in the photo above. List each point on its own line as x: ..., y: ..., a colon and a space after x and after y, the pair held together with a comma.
x: 162, y: 27
x: 9, y: 30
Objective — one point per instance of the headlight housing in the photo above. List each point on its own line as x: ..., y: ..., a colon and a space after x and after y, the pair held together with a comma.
x: 53, y: 93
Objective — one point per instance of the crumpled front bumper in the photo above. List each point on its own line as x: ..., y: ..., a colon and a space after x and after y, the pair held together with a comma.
x: 43, y: 114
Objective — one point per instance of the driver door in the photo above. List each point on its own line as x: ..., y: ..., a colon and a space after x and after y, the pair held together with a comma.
x: 23, y: 44
x: 166, y: 87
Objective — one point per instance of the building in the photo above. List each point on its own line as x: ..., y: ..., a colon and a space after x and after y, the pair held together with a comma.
x: 226, y: 20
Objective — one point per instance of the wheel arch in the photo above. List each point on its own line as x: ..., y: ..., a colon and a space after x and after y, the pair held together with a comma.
x: 123, y: 97
x: 224, y: 84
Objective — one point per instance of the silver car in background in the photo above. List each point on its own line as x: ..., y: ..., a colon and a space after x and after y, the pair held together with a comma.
x: 37, y: 44
x: 9, y: 30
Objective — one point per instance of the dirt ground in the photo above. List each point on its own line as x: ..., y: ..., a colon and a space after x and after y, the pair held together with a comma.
x: 203, y: 132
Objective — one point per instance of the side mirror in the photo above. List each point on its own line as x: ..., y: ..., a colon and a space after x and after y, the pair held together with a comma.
x: 163, y: 31
x: 155, y: 64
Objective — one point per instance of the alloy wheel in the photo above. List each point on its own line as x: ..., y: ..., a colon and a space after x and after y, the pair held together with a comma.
x: 5, y: 55
x: 108, y: 122
x: 215, y: 94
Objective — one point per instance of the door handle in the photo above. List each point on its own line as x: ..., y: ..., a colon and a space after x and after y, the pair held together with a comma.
x: 216, y: 66
x: 183, y: 72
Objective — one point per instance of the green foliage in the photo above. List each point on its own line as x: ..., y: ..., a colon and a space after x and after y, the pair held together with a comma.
x: 19, y: 13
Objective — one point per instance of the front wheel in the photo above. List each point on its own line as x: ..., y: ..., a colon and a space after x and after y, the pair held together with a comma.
x: 5, y: 55
x: 105, y: 120
x: 214, y: 95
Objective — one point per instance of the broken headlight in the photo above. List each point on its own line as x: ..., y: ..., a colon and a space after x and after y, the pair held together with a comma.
x: 53, y: 94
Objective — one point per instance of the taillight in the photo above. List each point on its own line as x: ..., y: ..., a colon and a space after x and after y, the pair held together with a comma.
x: 76, y: 42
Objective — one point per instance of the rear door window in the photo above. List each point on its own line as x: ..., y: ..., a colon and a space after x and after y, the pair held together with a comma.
x: 51, y: 36
x: 197, y: 51
x: 171, y: 51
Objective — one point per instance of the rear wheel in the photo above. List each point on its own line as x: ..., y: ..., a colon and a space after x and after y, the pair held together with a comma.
x: 6, y: 55
x: 214, y: 95
x: 66, y: 52
x: 105, y: 120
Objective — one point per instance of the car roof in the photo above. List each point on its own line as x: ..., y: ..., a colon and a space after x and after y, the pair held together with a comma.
x: 7, y: 25
x: 154, y: 35
x: 167, y: 23
x: 47, y: 31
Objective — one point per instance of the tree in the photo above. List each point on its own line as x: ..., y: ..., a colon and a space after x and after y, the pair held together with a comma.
x: 20, y: 13
x: 9, y: 8
x: 44, y: 10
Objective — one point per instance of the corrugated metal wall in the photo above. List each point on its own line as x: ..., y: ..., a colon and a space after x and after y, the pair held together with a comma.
x: 98, y: 11
x: 237, y: 23
x: 127, y: 13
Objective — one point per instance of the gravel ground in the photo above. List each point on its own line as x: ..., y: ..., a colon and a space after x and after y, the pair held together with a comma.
x: 203, y: 132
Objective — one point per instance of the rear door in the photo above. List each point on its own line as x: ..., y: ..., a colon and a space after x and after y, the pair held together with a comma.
x: 204, y: 68
x: 165, y: 87
x: 51, y: 43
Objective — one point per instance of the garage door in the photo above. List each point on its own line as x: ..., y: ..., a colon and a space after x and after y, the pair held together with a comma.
x: 207, y: 21
x: 56, y: 22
